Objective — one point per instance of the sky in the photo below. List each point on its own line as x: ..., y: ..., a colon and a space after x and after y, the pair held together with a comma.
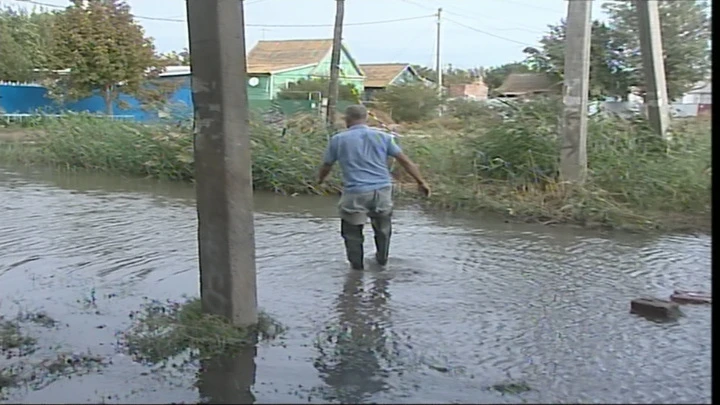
x: 473, y: 32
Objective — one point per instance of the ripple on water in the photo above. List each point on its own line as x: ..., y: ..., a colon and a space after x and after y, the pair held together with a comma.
x: 462, y: 306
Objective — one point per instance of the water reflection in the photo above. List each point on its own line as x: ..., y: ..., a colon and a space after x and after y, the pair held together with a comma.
x: 355, y: 346
x: 228, y: 379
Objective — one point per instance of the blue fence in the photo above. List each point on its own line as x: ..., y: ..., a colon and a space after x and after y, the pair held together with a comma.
x: 32, y: 99
x: 22, y: 99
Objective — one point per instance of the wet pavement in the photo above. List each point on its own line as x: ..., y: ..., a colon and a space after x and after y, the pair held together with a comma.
x: 468, y: 306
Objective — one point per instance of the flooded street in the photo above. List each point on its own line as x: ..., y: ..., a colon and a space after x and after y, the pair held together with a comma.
x: 466, y: 304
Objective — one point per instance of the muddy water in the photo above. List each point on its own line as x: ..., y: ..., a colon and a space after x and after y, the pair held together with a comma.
x: 466, y: 303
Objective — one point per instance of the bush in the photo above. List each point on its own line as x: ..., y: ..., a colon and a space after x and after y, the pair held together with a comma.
x: 281, y: 163
x: 409, y: 102
x: 506, y: 163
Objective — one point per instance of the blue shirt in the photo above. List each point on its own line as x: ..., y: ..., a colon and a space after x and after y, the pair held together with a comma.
x: 362, y: 153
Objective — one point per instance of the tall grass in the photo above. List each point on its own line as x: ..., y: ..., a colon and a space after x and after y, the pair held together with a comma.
x: 506, y: 161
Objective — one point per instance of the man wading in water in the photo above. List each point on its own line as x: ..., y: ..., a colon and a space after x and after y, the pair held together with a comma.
x: 363, y: 154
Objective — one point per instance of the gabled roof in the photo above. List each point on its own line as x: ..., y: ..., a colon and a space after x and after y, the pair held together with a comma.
x: 383, y: 74
x: 703, y: 87
x: 276, y: 56
x: 524, y: 83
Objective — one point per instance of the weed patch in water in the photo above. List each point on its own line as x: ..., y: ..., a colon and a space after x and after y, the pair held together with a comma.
x: 13, y: 341
x: 19, y: 368
x: 512, y: 388
x: 162, y: 331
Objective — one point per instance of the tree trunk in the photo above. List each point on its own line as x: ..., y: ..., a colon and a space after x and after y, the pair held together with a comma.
x: 108, y: 96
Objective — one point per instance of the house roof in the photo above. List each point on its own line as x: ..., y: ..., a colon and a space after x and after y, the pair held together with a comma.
x: 523, y: 83
x: 382, y: 74
x: 273, y: 56
x: 703, y: 87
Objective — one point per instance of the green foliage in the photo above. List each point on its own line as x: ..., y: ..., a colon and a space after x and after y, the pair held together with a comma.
x: 104, y: 49
x: 510, y: 165
x: 409, y: 102
x: 174, y: 58
x: 686, y: 28
x: 24, y: 43
x: 471, y: 110
x: 610, y: 75
x: 495, y: 76
x: 87, y: 142
x: 504, y: 159
x: 304, y: 88
x: 283, y: 164
x: 162, y: 331
x: 451, y: 75
x: 615, y: 61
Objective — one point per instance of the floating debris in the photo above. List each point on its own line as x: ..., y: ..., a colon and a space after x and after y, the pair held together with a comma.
x: 655, y: 308
x: 691, y: 297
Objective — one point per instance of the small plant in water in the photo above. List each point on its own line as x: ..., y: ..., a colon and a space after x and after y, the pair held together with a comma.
x: 13, y: 340
x: 162, y: 331
x: 512, y: 388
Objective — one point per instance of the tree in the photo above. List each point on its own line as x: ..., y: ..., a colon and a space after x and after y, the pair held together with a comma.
x: 610, y: 74
x: 451, y: 75
x: 174, y: 58
x: 616, y: 61
x: 302, y: 88
x: 409, y: 102
x: 495, y: 76
x: 24, y: 42
x: 686, y: 30
x: 104, y: 49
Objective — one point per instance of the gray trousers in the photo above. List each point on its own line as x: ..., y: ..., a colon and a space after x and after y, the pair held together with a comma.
x: 355, y: 209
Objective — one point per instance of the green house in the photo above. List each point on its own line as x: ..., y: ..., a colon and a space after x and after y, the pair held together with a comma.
x: 273, y: 65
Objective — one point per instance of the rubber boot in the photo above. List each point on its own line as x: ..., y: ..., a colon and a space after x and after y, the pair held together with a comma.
x: 353, y: 236
x: 382, y: 226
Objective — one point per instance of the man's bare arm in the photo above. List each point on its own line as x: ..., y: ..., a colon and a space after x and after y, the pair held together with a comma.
x: 409, y: 167
x: 324, y: 172
x: 413, y: 171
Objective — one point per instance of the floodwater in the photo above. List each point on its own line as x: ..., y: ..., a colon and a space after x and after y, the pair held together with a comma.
x: 466, y: 303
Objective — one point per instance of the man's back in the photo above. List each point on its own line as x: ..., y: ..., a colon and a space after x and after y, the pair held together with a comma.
x: 362, y: 153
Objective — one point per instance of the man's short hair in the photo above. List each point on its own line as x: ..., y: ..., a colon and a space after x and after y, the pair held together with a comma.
x: 356, y: 112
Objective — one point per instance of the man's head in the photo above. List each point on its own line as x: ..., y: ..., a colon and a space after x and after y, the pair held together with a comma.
x: 355, y: 114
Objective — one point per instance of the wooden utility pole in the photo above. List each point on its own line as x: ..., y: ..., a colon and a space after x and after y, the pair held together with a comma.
x: 573, y: 149
x: 223, y: 177
x: 438, y: 58
x: 333, y: 91
x: 651, y: 48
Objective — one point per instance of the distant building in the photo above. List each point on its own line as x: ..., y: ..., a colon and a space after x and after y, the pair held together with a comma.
x: 477, y: 90
x: 528, y: 85
x: 700, y: 95
x: 378, y: 76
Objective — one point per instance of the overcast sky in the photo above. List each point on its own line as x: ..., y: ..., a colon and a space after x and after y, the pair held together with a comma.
x: 474, y: 32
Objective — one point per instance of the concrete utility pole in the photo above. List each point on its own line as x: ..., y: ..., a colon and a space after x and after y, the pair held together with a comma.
x: 656, y: 99
x: 573, y: 149
x: 335, y: 63
x: 438, y: 59
x: 222, y: 160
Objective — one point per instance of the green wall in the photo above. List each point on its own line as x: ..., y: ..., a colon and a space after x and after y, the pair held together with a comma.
x: 281, y: 80
x: 349, y: 74
x: 262, y: 90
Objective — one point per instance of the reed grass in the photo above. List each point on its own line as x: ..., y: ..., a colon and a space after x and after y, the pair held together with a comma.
x: 504, y: 161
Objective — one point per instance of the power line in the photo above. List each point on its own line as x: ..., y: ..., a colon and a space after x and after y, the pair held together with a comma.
x: 345, y: 25
x: 468, y: 14
x: 178, y: 20
x: 486, y: 33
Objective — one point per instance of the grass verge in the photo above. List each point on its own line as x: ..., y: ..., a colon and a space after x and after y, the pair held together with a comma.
x: 163, y: 331
x: 502, y: 161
